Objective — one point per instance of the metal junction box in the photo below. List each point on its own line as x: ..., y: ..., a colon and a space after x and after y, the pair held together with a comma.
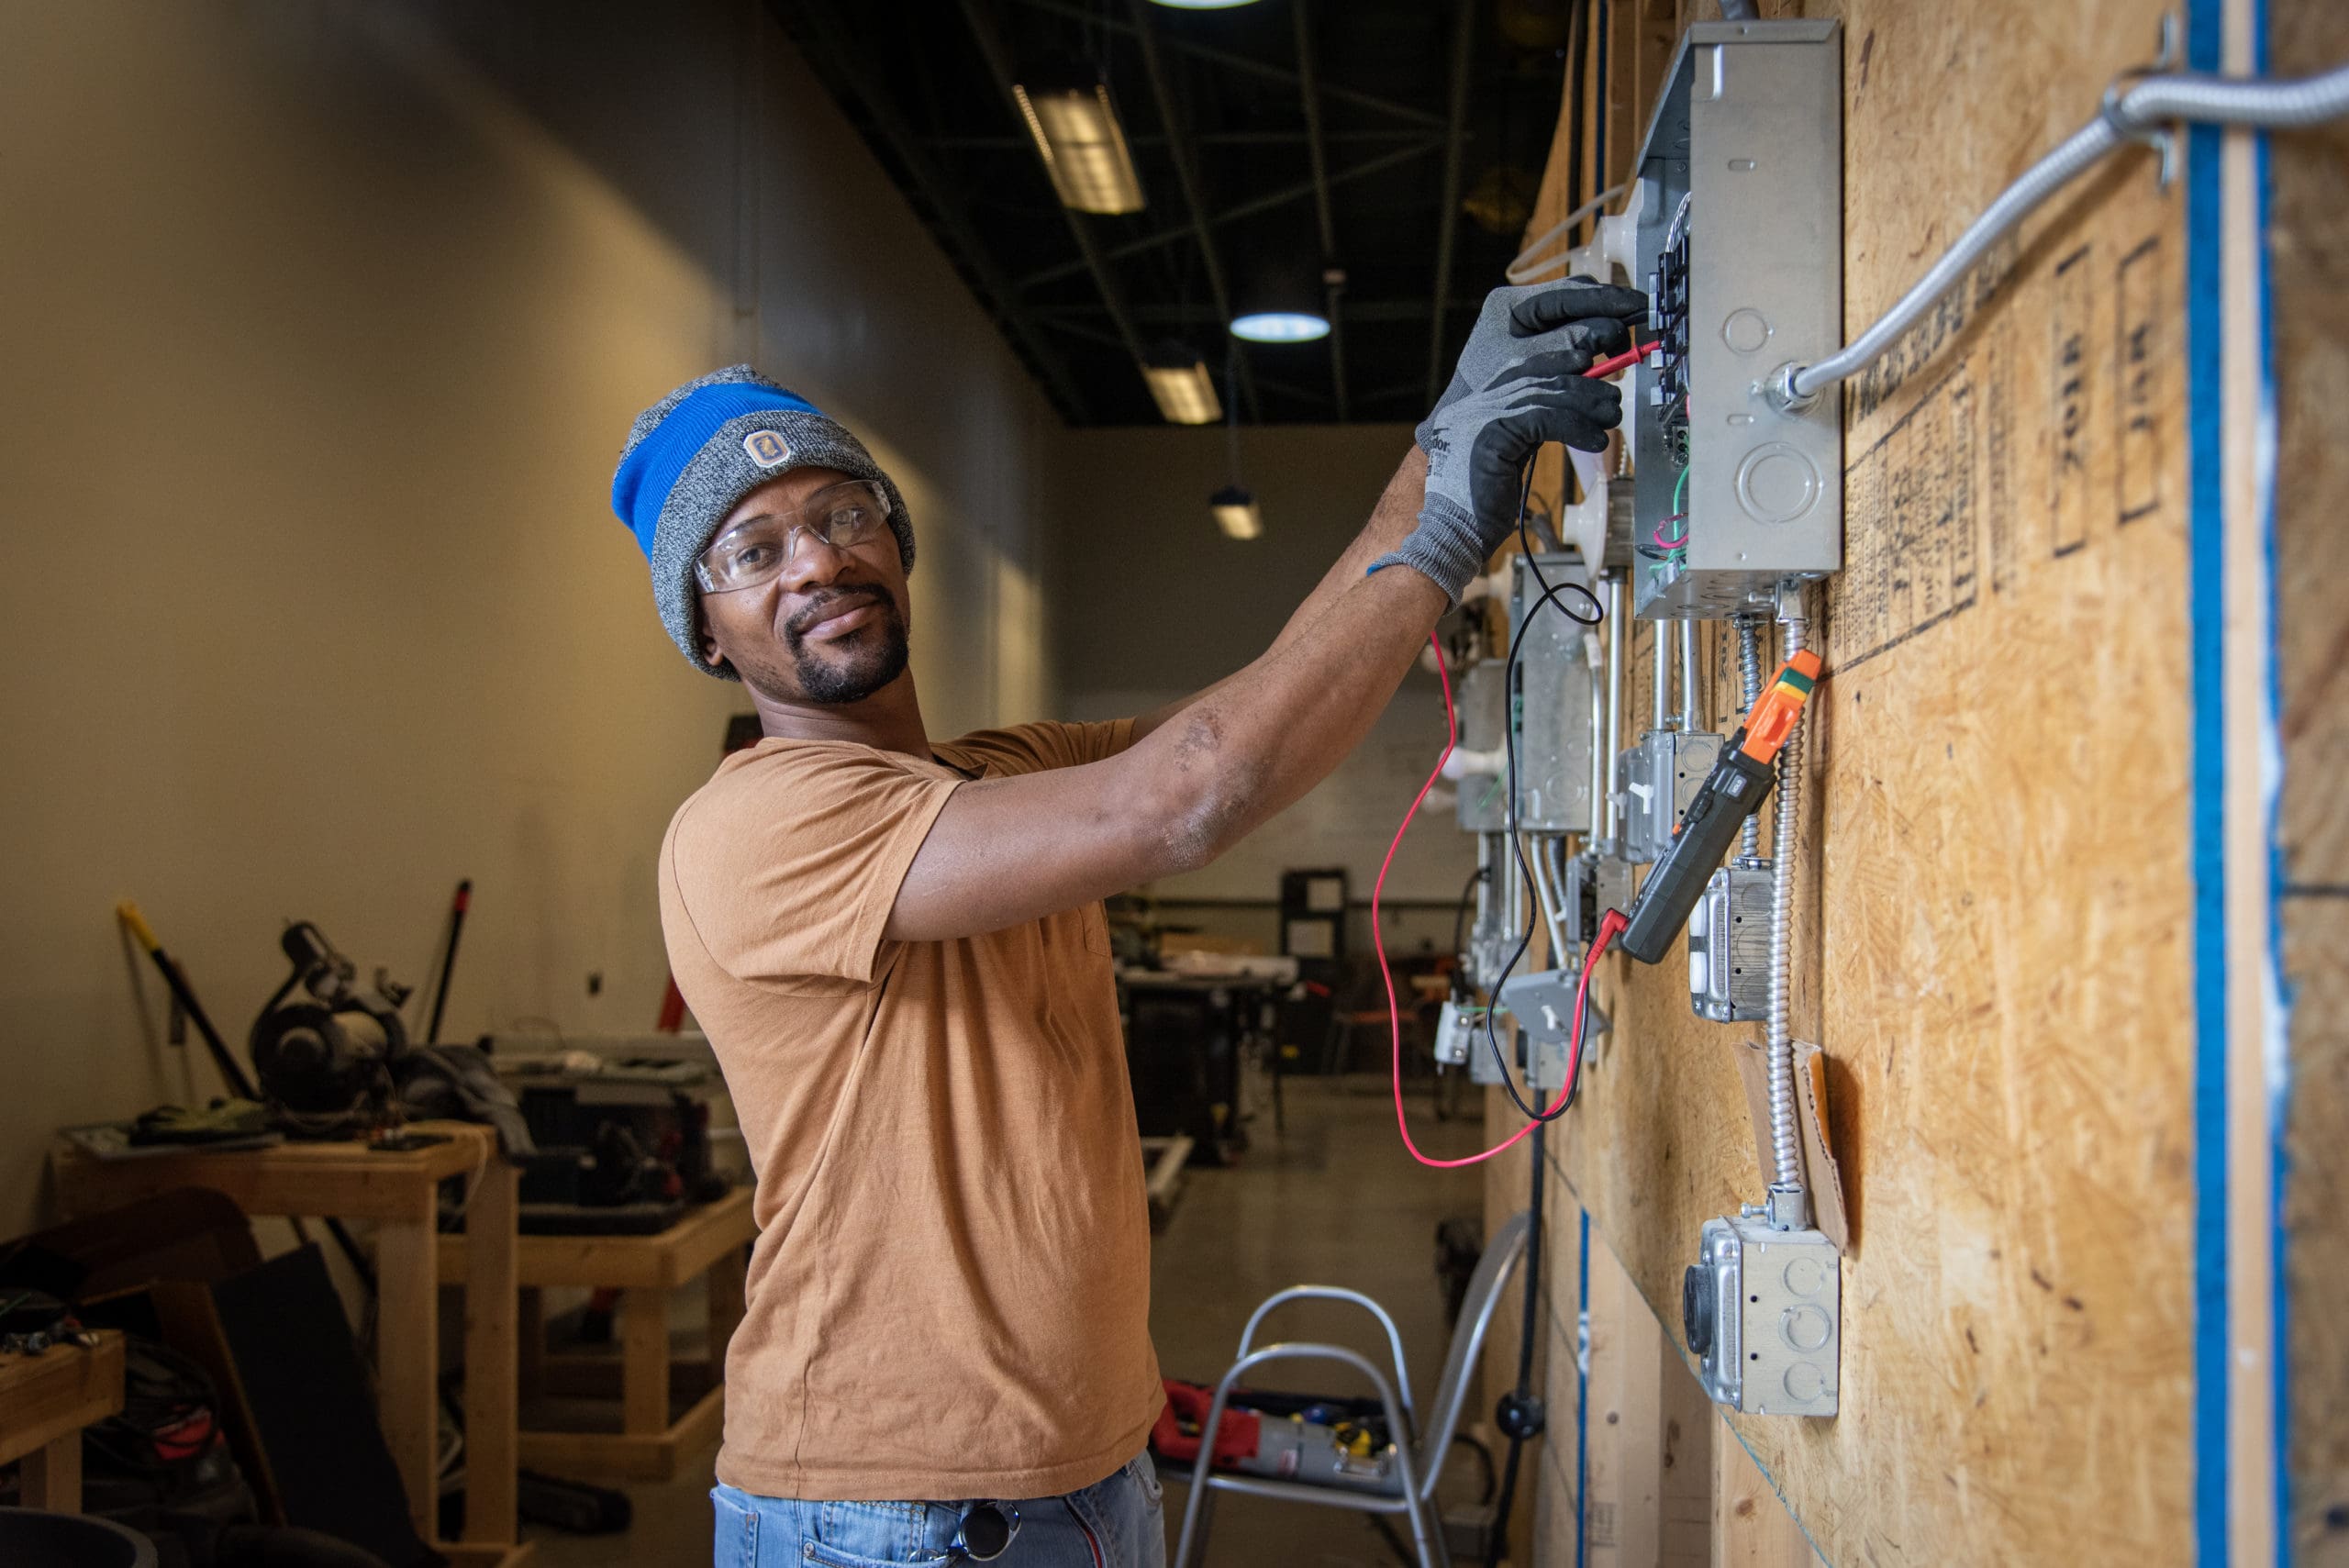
x: 1729, y: 944
x: 1484, y: 708
x: 1762, y: 1312
x: 1741, y: 246
x: 1658, y: 778
x: 1553, y: 707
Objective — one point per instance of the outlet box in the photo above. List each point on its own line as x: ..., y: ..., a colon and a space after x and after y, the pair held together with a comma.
x: 1762, y: 1312
x: 1741, y: 246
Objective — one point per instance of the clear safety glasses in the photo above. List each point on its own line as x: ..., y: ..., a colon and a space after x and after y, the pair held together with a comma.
x: 755, y: 550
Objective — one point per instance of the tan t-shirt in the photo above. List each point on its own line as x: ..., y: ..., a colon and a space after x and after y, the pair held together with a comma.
x: 949, y: 1294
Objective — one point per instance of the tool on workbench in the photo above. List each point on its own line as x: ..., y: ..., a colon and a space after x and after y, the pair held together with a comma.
x: 457, y: 910
x: 231, y: 1072
x: 1733, y: 791
x: 325, y: 1050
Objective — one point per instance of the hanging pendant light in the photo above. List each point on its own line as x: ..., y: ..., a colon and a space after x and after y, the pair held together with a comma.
x: 1236, y: 511
x: 1235, y: 506
x: 1283, y: 302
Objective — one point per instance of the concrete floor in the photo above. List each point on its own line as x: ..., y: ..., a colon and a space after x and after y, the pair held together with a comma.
x: 1334, y: 1201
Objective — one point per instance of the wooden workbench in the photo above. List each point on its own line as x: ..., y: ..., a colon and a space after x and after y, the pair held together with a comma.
x: 399, y: 1194
x: 45, y: 1401
x: 707, y: 1245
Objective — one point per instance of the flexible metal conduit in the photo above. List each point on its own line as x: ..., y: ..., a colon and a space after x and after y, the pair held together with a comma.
x: 2153, y: 102
x: 1749, y: 690
x: 1614, y: 703
x: 1785, y: 1151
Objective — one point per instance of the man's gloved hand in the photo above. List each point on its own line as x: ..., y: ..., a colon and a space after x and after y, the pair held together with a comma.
x: 1576, y: 313
x: 1478, y: 448
x: 1520, y: 384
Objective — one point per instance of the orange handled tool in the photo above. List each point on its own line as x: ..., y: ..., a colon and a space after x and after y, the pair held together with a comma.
x: 1732, y: 792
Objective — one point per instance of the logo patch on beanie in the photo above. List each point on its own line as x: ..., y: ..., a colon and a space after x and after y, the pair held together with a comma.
x: 767, y: 449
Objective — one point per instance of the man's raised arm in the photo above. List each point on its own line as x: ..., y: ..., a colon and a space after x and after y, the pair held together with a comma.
x: 1003, y: 851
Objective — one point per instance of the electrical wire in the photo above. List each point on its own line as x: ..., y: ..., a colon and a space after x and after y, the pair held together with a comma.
x: 1608, y: 929
x: 2155, y: 101
x: 1516, y: 844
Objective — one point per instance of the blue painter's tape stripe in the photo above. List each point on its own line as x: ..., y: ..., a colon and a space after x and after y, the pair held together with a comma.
x: 2206, y: 540
x: 1582, y: 1394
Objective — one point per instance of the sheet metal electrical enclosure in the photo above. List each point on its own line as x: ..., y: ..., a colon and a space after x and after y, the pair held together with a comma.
x: 1658, y: 778
x: 1484, y: 709
x: 1554, y: 697
x: 1748, y: 128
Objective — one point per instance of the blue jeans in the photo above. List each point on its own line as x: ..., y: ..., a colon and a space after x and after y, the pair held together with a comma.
x: 1116, y: 1523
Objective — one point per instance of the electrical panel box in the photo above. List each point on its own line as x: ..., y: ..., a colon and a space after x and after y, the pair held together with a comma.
x: 1484, y: 709
x: 1762, y: 1312
x: 1740, y: 245
x: 1729, y: 944
x: 1553, y: 706
x: 1658, y: 778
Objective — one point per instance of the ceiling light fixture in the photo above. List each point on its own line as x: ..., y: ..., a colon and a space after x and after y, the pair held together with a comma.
x: 1074, y: 122
x: 1204, y: 5
x: 1282, y: 304
x: 1235, y: 506
x: 1236, y: 511
x: 1180, y: 386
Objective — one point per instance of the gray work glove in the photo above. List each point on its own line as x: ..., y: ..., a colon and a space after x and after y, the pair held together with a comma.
x: 1576, y: 314
x: 1478, y: 448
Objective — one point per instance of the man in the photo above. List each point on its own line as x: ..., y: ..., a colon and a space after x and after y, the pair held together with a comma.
x: 898, y: 948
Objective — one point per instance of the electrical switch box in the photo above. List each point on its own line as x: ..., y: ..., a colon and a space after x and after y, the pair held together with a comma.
x: 1484, y: 709
x: 1454, y: 1034
x: 1763, y: 1311
x: 1553, y: 703
x: 1540, y: 1010
x: 1658, y: 778
x: 1579, y: 898
x: 1729, y: 944
x: 1740, y: 245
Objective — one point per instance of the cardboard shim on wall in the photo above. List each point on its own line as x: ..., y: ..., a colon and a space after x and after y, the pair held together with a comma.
x: 1826, y: 1180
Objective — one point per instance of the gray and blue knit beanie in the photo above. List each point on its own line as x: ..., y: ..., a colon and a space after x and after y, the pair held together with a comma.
x: 691, y: 457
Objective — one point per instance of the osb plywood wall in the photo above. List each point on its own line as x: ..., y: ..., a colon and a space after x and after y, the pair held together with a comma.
x: 1995, y: 916
x: 2311, y: 341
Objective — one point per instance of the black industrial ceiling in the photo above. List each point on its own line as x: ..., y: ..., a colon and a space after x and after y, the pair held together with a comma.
x: 1397, y: 142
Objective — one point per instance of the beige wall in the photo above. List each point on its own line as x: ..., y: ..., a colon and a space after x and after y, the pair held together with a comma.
x: 322, y: 333
x: 1151, y: 602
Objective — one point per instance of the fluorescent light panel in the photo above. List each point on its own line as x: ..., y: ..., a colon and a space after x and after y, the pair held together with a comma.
x: 1083, y: 147
x: 1183, y: 394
